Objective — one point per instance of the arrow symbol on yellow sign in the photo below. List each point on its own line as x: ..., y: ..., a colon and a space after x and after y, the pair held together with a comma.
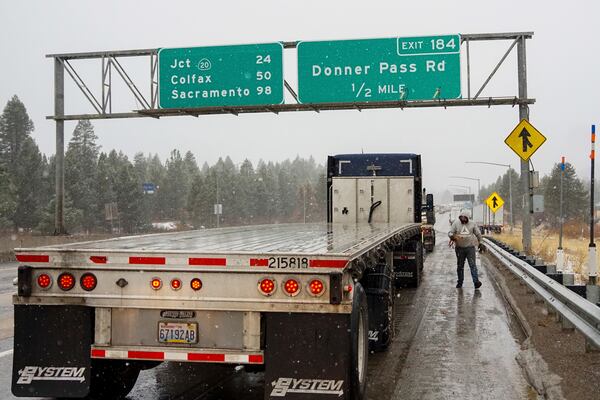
x: 524, y: 135
x: 494, y: 202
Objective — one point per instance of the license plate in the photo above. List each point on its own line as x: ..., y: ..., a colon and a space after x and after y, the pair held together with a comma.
x: 177, y: 332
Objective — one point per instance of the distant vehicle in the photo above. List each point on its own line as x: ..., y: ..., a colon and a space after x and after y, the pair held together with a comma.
x: 454, y: 212
x: 428, y: 223
x: 290, y: 298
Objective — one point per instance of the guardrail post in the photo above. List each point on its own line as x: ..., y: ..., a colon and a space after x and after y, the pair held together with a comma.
x: 566, y: 325
x: 550, y: 311
x: 590, y: 347
x: 593, y: 294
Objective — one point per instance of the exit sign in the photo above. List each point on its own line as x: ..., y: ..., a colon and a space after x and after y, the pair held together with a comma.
x: 392, y: 69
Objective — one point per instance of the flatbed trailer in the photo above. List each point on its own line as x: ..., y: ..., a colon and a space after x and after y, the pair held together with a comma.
x: 289, y: 297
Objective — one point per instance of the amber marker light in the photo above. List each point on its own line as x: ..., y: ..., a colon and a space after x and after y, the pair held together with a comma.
x: 196, y: 284
x: 155, y: 283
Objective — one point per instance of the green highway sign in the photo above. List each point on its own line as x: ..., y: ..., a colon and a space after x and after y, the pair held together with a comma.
x: 241, y: 75
x: 410, y: 68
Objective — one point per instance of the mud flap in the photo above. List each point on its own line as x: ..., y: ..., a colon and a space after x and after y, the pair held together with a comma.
x: 307, y: 356
x: 52, y: 351
x: 378, y: 284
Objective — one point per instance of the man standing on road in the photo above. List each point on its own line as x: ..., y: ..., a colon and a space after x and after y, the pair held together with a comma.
x: 465, y: 236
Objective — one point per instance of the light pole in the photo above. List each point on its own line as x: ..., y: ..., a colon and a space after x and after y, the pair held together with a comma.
x: 471, y: 179
x: 512, y: 220
x: 467, y: 188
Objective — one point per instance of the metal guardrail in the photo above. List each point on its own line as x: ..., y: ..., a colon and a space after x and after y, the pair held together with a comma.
x: 582, y: 314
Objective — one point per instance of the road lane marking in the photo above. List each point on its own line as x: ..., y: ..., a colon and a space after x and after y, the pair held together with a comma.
x: 6, y: 353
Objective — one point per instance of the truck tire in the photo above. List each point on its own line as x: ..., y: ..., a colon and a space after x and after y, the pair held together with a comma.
x: 359, y: 351
x: 420, y: 254
x: 379, y: 287
x: 112, y: 379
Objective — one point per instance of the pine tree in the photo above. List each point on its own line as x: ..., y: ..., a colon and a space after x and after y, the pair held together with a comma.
x: 72, y: 216
x: 81, y: 180
x: 174, y: 189
x: 8, y: 205
x: 15, y: 128
x: 105, y: 181
x: 575, y: 196
x: 129, y: 197
x: 21, y: 163
x: 29, y: 186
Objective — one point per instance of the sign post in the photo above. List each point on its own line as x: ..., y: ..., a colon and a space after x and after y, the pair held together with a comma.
x: 218, y: 211
x: 392, y: 69
x: 592, y: 268
x: 525, y: 140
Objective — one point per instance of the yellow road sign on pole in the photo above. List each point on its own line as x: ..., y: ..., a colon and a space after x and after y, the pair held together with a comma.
x: 525, y: 139
x: 494, y: 202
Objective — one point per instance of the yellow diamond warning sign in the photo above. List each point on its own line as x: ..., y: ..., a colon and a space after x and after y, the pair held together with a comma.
x: 494, y: 202
x: 525, y: 140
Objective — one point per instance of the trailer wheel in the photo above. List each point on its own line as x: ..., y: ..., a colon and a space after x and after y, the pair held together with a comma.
x: 112, y: 379
x: 359, y: 352
x: 420, y: 256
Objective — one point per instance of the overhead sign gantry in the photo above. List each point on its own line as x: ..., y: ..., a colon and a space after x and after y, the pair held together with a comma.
x: 402, y: 72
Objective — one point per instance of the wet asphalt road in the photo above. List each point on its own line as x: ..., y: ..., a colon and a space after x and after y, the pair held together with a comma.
x: 466, y: 341
x: 449, y: 344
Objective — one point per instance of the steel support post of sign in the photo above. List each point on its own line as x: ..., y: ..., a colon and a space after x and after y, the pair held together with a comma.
x: 512, y: 217
x: 524, y: 114
x: 59, y: 109
x: 592, y: 267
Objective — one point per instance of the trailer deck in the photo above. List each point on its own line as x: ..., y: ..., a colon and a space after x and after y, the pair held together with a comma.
x: 232, y: 247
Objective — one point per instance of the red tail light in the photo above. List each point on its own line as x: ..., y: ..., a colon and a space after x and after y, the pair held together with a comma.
x: 266, y: 286
x: 88, y: 281
x: 196, y: 284
x: 291, y: 287
x: 66, y: 281
x: 44, y: 281
x: 175, y: 284
x: 155, y: 283
x: 316, y: 287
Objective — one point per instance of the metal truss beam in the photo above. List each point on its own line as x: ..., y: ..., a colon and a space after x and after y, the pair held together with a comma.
x: 277, y: 108
x: 148, y: 104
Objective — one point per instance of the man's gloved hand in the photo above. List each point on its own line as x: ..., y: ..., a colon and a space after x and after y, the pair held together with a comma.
x: 481, y: 248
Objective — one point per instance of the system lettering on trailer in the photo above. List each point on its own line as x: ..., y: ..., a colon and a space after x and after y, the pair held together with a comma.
x: 393, y: 69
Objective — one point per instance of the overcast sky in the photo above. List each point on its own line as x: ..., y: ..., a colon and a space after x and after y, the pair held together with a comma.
x: 563, y: 73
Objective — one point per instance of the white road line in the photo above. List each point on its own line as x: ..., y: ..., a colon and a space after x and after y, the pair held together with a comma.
x: 6, y: 353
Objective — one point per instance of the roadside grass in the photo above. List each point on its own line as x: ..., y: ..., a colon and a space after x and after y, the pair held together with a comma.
x: 545, y: 244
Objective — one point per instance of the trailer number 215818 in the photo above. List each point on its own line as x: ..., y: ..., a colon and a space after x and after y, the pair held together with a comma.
x: 288, y: 262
